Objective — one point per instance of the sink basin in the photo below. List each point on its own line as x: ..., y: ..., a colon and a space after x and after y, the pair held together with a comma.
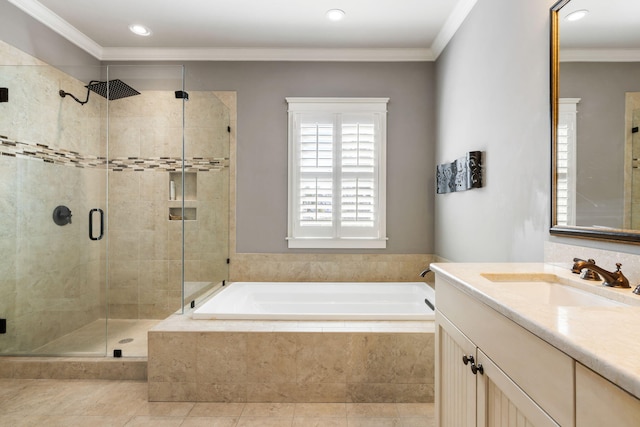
x: 542, y: 288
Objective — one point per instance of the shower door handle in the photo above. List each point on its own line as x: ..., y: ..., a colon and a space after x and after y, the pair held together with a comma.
x: 91, y: 212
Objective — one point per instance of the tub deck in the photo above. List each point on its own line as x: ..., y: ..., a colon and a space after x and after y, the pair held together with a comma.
x: 291, y: 361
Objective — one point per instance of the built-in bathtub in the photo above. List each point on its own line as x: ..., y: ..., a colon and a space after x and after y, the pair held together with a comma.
x: 336, y: 355
x: 320, y: 301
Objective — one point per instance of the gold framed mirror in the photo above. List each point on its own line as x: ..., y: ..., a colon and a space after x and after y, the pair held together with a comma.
x: 595, y: 115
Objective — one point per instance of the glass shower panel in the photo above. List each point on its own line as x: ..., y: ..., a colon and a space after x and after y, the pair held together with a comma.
x: 52, y: 173
x: 145, y: 232
x: 206, y: 193
x: 635, y: 176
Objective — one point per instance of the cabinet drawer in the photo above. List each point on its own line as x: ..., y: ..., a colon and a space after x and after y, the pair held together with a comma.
x: 539, y: 369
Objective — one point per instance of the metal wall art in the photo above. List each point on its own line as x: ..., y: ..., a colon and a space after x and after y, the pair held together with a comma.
x: 460, y: 175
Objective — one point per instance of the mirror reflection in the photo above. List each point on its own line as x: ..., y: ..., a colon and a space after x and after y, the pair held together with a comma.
x: 597, y: 149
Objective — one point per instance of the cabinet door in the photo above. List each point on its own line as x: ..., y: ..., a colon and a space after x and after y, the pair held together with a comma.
x: 601, y: 403
x: 502, y: 403
x: 455, y: 384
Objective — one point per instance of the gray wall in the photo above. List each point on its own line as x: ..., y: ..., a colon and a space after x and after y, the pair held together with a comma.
x: 262, y: 141
x: 20, y: 30
x: 262, y: 130
x: 493, y: 95
x: 601, y: 135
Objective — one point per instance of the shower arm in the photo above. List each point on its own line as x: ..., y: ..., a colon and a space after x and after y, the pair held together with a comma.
x: 63, y: 93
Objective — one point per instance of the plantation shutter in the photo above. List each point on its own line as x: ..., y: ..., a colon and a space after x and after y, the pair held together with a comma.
x: 336, y: 174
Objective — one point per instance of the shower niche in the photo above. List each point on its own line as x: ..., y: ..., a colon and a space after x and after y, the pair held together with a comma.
x: 176, y: 211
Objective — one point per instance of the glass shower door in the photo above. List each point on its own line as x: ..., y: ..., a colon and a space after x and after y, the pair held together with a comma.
x: 145, y: 245
x: 205, y: 198
x: 52, y: 173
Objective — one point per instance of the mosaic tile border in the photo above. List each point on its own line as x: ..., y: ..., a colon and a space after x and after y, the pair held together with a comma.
x: 18, y: 149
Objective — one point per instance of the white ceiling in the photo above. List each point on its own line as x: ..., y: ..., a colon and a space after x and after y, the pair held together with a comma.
x: 388, y: 30
x: 254, y: 29
x: 611, y: 31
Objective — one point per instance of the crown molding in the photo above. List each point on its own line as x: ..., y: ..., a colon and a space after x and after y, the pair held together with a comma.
x: 267, y: 54
x: 37, y: 11
x: 62, y: 27
x: 451, y: 25
x: 600, y: 55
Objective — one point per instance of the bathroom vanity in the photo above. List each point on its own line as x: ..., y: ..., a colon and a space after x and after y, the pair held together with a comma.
x: 533, y: 344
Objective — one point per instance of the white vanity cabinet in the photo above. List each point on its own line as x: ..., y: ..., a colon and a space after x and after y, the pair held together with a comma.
x: 599, y: 402
x: 523, y: 380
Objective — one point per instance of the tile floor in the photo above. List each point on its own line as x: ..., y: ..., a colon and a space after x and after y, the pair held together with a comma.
x: 96, y: 403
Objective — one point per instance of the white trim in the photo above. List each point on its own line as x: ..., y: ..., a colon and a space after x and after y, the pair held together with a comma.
x: 567, y: 114
x: 268, y: 54
x: 75, y: 36
x: 451, y: 25
x: 37, y: 11
x: 293, y: 243
x: 600, y: 55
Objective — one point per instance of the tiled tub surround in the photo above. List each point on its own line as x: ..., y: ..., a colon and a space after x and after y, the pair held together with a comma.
x: 291, y: 361
x: 248, y: 267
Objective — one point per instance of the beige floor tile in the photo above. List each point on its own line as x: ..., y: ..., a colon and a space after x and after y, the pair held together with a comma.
x: 146, y: 421
x: 319, y: 422
x: 165, y: 409
x: 216, y: 409
x: 374, y: 422
x: 323, y: 410
x: 418, y: 422
x: 70, y: 403
x: 123, y: 398
x: 265, y: 422
x: 209, y: 422
x: 416, y: 409
x: 80, y: 421
x: 372, y: 410
x: 269, y: 410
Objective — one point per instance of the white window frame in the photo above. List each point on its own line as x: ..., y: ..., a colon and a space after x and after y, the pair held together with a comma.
x: 337, y: 236
x: 566, y: 177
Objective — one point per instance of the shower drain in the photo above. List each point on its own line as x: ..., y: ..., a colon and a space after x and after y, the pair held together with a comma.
x: 124, y: 341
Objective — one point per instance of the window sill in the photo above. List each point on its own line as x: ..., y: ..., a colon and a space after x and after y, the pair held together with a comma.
x: 336, y: 243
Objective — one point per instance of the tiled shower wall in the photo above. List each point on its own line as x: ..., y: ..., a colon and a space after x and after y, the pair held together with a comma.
x: 52, y: 152
x: 50, y: 275
x: 145, y: 149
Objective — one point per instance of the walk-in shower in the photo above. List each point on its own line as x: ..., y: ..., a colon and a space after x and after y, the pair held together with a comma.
x: 63, y: 292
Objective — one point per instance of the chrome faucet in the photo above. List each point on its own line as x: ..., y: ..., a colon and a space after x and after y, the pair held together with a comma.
x: 613, y: 279
x: 424, y: 272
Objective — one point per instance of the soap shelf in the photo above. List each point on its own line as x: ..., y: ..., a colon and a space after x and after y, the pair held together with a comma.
x: 175, y: 214
x: 190, y: 185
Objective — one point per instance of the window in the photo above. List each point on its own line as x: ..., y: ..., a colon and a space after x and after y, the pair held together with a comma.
x: 566, y: 162
x: 337, y: 167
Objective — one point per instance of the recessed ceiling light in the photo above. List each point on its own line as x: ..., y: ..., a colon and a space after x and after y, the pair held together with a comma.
x: 140, y: 30
x: 577, y: 15
x: 335, y: 15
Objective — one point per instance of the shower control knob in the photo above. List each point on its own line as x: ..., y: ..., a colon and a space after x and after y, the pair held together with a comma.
x: 467, y: 359
x: 62, y: 215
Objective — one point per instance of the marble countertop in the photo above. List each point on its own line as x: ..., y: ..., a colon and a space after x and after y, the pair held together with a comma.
x: 605, y: 339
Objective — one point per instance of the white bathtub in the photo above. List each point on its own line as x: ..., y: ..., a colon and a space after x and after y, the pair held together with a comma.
x: 320, y: 301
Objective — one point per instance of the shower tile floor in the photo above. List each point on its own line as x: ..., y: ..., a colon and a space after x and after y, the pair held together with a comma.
x: 128, y: 335
x: 94, y: 403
